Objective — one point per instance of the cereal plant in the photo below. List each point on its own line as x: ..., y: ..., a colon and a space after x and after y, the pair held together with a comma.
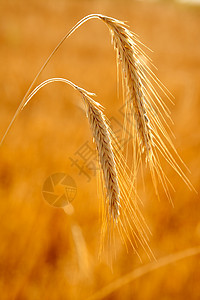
x: 147, y: 117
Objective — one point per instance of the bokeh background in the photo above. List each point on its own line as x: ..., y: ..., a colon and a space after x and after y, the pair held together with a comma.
x: 47, y: 253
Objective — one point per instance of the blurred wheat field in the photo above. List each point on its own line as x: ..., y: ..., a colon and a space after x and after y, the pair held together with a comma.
x: 44, y: 252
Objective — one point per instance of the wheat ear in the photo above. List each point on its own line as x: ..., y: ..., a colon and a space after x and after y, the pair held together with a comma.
x: 102, y: 139
x: 134, y: 95
x: 121, y: 212
x: 146, y: 113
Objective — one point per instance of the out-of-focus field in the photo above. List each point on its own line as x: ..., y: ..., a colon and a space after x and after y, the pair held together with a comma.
x: 44, y: 252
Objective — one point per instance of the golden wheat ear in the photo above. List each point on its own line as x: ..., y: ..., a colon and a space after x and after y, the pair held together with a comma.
x: 146, y: 114
x: 121, y: 213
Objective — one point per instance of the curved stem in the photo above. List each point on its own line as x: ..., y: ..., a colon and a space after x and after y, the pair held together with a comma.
x: 82, y: 21
x: 51, y: 80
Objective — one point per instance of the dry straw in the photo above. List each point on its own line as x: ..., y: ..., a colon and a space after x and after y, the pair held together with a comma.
x: 146, y: 118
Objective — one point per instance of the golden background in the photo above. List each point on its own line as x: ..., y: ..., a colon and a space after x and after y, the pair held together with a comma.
x: 46, y: 253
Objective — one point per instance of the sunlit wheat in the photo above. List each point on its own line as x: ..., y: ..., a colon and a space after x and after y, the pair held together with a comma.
x: 146, y: 119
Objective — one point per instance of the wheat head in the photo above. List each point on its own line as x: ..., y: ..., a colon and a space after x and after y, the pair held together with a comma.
x: 102, y: 139
x: 120, y: 212
x: 146, y: 114
x: 135, y: 100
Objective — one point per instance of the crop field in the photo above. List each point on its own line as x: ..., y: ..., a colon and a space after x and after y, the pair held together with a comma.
x: 50, y: 253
